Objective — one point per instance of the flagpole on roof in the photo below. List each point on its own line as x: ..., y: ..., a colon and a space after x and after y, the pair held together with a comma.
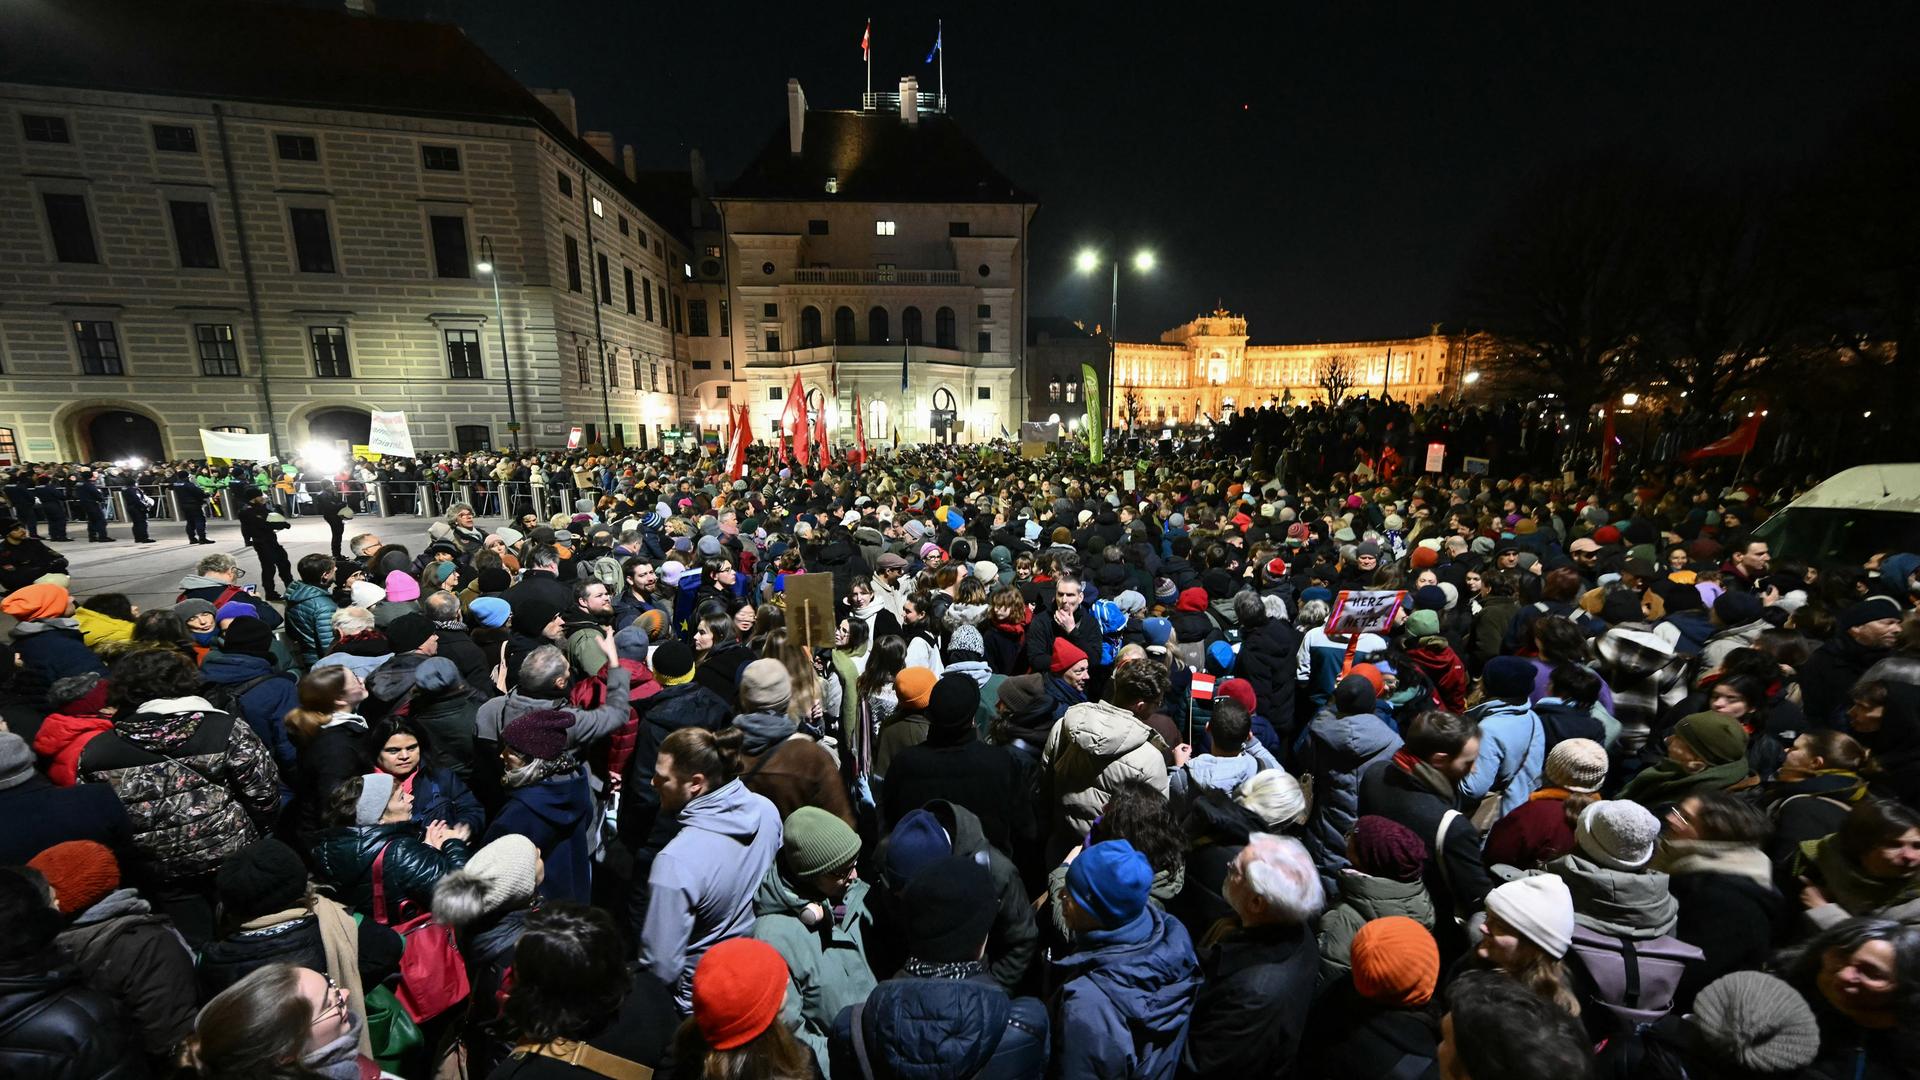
x: 939, y: 41
x: 866, y: 51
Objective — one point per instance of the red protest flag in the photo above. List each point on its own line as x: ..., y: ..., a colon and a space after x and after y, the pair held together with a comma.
x: 825, y: 457
x: 1737, y: 444
x: 797, y: 395
x: 859, y: 455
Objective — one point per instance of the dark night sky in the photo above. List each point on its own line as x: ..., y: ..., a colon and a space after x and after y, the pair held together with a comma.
x: 1323, y: 168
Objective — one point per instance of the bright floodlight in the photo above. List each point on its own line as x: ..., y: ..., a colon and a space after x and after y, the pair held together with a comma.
x: 1629, y: 399
x: 1472, y: 377
x: 484, y: 267
x: 1087, y: 261
x: 1143, y: 261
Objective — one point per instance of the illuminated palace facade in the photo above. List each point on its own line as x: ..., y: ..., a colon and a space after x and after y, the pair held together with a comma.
x: 1205, y: 368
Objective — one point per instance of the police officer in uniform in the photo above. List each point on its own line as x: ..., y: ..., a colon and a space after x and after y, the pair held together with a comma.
x: 93, y: 502
x: 193, y: 506
x: 52, y: 496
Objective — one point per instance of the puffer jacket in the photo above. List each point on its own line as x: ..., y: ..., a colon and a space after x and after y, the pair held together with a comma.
x: 1338, y: 749
x: 197, y: 783
x: 343, y: 858
x: 310, y: 611
x: 945, y: 1029
x: 1363, y: 898
x: 54, y: 1027
x: 53, y: 650
x: 826, y: 963
x: 1090, y: 752
x: 1126, y: 996
x: 61, y: 738
x: 265, y: 704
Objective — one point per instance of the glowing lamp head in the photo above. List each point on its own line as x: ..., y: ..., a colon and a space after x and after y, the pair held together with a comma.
x: 1087, y: 261
x: 484, y: 266
x: 1143, y: 261
x: 1629, y: 399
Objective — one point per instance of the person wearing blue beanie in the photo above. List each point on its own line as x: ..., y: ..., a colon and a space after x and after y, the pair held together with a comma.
x: 1157, y: 631
x: 1509, y: 678
x: 1513, y: 742
x: 1127, y: 988
x: 918, y: 841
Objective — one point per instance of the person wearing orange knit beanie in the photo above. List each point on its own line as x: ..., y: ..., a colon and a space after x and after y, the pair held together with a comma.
x: 1371, y: 1025
x: 739, y: 987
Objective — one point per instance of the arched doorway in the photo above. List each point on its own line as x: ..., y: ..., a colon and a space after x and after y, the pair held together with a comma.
x: 117, y: 434
x: 331, y: 426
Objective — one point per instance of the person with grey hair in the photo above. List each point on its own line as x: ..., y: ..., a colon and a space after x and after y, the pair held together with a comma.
x: 216, y: 579
x: 1257, y: 977
x: 545, y: 679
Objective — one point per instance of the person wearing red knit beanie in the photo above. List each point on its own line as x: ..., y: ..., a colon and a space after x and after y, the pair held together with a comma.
x: 738, y: 989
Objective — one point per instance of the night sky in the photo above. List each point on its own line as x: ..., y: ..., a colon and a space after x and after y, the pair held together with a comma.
x: 1323, y: 168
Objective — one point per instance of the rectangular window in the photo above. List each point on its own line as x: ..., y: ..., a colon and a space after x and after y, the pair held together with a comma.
x: 660, y: 291
x: 72, y: 231
x: 697, y: 318
x: 566, y: 185
x: 636, y: 371
x: 606, y: 278
x: 959, y: 228
x: 775, y: 393
x: 985, y: 394
x: 883, y: 228
x: 986, y: 341
x: 723, y: 392
x: 99, y: 348
x: 450, y: 257
x: 471, y: 438
x: 573, y: 264
x: 45, y: 129
x: 679, y: 317
x: 984, y: 311
x: 726, y: 318
x: 713, y: 251
x: 330, y: 352
x: 175, y: 139
x: 9, y: 446
x: 297, y: 147
x: 463, y: 354
x: 817, y: 227
x: 580, y: 361
x: 773, y: 341
x: 440, y: 158
x: 703, y: 365
x: 770, y: 311
x: 313, y: 245
x: 218, y: 354
x: 624, y: 227
x: 598, y: 210
x: 646, y: 296
x: 626, y: 272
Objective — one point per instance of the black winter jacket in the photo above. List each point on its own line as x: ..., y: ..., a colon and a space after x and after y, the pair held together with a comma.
x: 1256, y: 986
x: 1392, y: 792
x: 1270, y: 659
x: 53, y: 1027
x: 343, y: 858
x: 935, y: 1029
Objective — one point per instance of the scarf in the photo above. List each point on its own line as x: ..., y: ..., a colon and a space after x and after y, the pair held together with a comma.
x: 1667, y: 781
x: 1427, y: 775
x: 927, y: 969
x: 1859, y: 892
x: 1677, y: 857
x: 340, y: 1059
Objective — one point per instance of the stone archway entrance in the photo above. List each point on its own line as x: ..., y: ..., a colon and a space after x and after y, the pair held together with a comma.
x: 340, y: 425
x: 110, y: 434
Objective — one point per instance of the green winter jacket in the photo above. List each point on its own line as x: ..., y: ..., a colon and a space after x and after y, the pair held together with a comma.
x: 1364, y: 898
x: 827, y: 963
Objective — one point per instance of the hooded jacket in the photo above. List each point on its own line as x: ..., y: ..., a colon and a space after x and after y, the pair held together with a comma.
x: 138, y: 957
x: 265, y: 704
x: 556, y: 814
x: 703, y: 882
x: 217, y: 592
x: 1338, y: 750
x: 1125, y: 999
x: 827, y: 967
x: 944, y: 1029
x: 1513, y: 754
x: 102, y: 631
x: 1090, y: 752
x: 61, y: 738
x: 197, y: 783
x: 1630, y: 904
x: 1364, y: 898
x: 53, y: 1026
x: 1014, y: 940
x: 53, y: 649
x: 789, y: 768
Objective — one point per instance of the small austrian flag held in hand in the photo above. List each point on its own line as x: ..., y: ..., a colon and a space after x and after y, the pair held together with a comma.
x: 1202, y: 687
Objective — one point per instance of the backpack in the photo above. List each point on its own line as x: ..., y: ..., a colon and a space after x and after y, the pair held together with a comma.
x: 605, y: 570
x: 1562, y: 722
x: 1635, y: 981
x: 226, y: 696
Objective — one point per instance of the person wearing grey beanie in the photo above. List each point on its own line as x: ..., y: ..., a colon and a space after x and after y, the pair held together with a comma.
x: 369, y: 822
x: 1753, y: 1021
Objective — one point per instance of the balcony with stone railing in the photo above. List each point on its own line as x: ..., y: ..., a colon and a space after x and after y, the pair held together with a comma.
x: 813, y: 275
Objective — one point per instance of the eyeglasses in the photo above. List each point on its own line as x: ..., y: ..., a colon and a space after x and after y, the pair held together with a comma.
x: 337, y: 996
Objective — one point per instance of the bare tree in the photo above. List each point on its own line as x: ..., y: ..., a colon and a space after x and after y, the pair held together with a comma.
x: 1334, y: 376
x: 1131, y: 408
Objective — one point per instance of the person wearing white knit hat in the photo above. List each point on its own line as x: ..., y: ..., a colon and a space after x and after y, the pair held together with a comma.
x: 1577, y: 765
x: 1529, y: 928
x: 499, y: 878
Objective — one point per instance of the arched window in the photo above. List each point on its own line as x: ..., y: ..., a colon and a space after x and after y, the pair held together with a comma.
x: 1053, y: 390
x: 943, y: 331
x: 910, y: 326
x: 843, y: 326
x: 877, y: 330
x: 1073, y: 391
x: 809, y: 327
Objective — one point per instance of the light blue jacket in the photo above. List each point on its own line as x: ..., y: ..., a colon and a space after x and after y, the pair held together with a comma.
x: 1513, y: 754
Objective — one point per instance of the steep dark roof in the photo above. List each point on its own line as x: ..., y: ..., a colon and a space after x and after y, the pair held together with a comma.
x: 876, y: 158
x: 239, y: 50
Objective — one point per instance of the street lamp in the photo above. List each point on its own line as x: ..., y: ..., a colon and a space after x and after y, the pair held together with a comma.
x: 1466, y: 380
x: 1087, y: 262
x: 1629, y: 399
x: 485, y: 266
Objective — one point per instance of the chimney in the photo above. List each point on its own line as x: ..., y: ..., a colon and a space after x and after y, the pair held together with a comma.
x: 796, y: 116
x: 910, y: 100
x: 697, y: 167
x: 360, y: 7
x: 560, y: 102
x: 601, y: 141
x: 628, y: 164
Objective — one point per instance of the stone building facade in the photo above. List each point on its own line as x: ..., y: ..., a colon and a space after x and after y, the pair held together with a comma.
x: 1207, y: 369
x: 861, y: 248
x: 204, y: 214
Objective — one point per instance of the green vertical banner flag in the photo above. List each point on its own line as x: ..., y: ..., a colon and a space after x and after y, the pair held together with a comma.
x: 1096, y: 415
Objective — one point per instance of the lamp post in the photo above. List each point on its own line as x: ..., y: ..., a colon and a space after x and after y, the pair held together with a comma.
x: 1087, y: 262
x: 1466, y: 380
x: 499, y: 316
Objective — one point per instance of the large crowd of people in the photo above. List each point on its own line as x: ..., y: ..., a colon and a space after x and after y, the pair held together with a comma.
x: 1091, y: 772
